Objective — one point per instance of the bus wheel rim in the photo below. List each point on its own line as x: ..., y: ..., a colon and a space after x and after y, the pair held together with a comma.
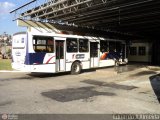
x: 76, y: 68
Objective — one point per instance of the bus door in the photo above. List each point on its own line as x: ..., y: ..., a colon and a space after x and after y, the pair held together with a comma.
x: 94, y: 56
x: 60, y: 56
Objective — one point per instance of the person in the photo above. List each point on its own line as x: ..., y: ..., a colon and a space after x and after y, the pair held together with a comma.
x: 113, y: 54
x: 104, y: 56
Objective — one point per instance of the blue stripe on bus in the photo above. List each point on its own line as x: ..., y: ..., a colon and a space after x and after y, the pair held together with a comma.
x: 34, y: 58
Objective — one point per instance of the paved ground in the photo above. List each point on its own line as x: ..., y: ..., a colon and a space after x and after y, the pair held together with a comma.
x: 127, y: 89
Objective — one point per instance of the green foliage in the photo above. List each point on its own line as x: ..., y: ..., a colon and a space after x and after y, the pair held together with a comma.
x: 5, y: 64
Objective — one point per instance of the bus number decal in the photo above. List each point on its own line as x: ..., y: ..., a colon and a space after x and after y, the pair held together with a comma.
x: 80, y: 56
x: 18, y: 53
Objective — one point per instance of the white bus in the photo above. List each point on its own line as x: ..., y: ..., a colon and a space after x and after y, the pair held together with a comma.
x: 53, y: 53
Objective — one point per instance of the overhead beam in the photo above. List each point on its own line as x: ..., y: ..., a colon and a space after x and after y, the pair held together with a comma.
x: 22, y: 6
x: 61, y: 9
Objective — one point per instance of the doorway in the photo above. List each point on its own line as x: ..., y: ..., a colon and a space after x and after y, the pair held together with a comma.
x: 60, y: 56
x: 94, y: 54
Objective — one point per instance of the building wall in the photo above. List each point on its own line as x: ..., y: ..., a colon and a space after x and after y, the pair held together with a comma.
x: 156, y: 52
x: 140, y: 52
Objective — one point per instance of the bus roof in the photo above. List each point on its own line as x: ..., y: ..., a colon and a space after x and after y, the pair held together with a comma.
x: 18, y: 33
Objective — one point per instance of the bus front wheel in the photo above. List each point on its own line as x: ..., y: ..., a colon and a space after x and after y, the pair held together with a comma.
x: 116, y: 63
x: 76, y: 68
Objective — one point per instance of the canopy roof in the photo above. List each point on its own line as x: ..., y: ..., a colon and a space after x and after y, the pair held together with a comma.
x: 127, y: 17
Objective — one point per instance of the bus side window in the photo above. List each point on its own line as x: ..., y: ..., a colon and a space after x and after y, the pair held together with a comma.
x: 50, y: 45
x: 43, y: 44
x: 72, y: 45
x: 83, y: 45
x: 104, y: 46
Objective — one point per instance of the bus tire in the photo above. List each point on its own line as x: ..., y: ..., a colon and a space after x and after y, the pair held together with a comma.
x: 76, y: 68
x: 116, y: 63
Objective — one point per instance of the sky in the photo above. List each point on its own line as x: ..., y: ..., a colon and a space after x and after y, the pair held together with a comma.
x: 6, y: 19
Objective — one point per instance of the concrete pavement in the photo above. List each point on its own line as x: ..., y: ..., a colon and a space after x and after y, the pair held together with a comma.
x: 131, y: 90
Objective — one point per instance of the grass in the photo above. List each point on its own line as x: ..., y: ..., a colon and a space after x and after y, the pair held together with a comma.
x: 5, y: 64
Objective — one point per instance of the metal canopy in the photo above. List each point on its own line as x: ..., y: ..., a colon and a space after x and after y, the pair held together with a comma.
x: 127, y: 17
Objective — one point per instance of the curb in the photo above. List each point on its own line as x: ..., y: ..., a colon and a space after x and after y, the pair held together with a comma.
x: 12, y: 71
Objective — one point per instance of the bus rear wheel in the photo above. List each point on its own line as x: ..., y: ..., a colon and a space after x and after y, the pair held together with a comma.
x: 76, y: 68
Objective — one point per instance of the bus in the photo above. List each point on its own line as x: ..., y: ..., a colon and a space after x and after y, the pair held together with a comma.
x: 52, y: 53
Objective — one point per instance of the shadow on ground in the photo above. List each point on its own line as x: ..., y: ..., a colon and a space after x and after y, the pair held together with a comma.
x: 45, y: 75
x: 32, y: 76
x: 17, y: 78
x: 142, y: 73
x: 155, y: 83
x: 70, y: 94
x: 112, y: 85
